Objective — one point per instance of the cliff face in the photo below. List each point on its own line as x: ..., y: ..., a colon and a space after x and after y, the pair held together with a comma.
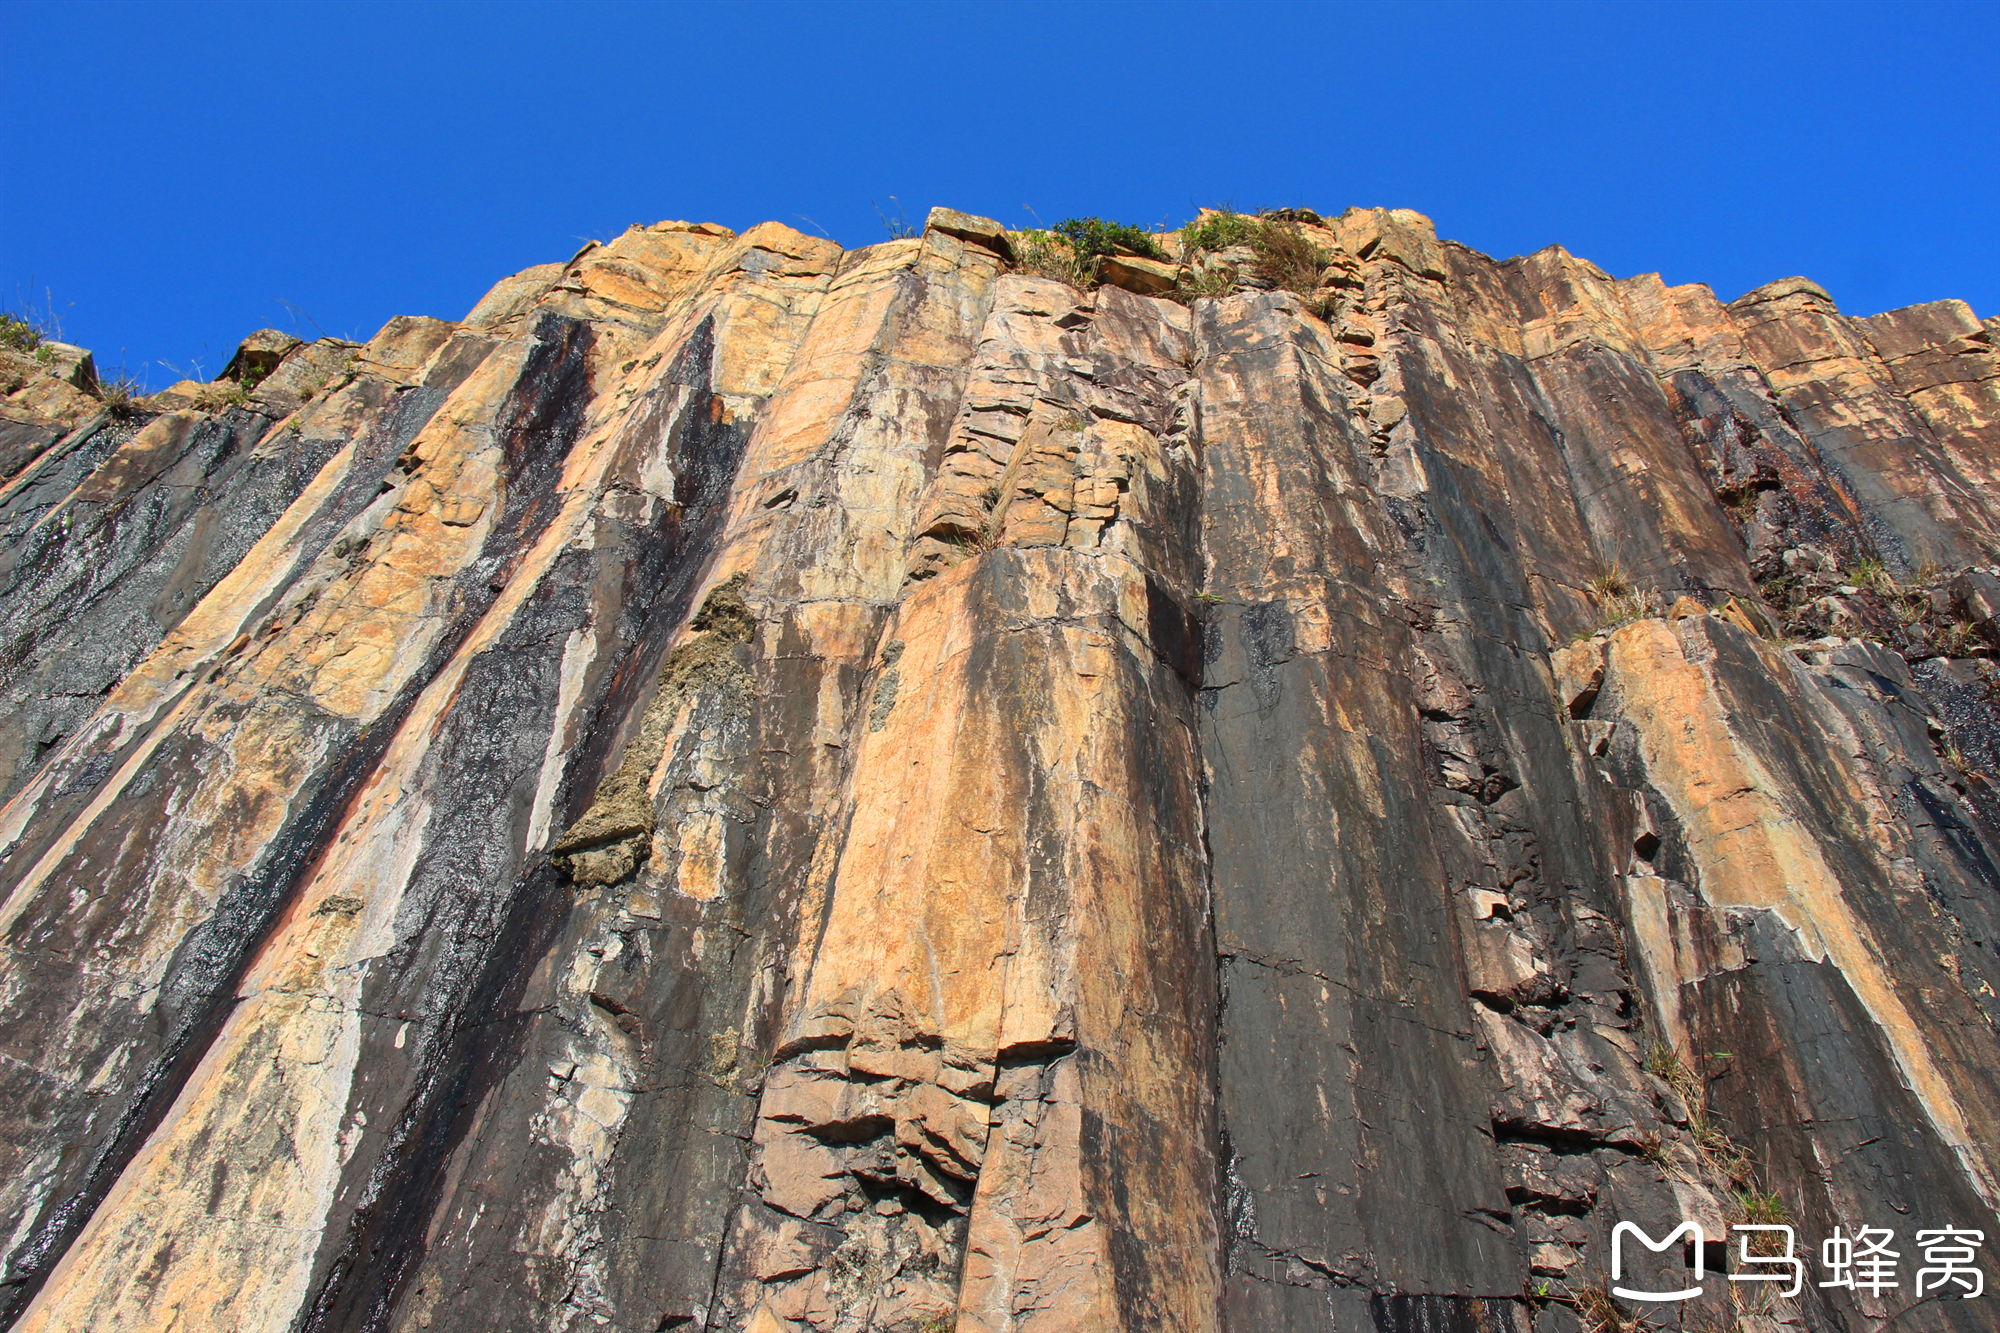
x: 747, y: 785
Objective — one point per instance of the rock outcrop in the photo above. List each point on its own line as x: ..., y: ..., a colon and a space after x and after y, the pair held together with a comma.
x: 747, y: 785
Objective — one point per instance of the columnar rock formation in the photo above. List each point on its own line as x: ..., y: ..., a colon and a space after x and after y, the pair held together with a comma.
x: 752, y: 786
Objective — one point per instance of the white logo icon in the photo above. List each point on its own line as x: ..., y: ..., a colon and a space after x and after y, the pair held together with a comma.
x: 1618, y: 1260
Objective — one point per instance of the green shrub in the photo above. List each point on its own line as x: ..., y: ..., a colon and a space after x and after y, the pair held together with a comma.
x: 1219, y: 231
x: 1286, y: 256
x: 1289, y: 259
x: 18, y: 334
x: 1047, y: 255
x: 1091, y: 237
x: 1195, y: 283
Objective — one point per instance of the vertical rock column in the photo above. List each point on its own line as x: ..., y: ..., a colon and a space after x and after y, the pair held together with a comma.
x: 621, y: 1126
x: 451, y: 627
x: 991, y: 1103
x: 1924, y: 499
x: 999, y: 1054
x: 1356, y: 1120
x: 1734, y: 740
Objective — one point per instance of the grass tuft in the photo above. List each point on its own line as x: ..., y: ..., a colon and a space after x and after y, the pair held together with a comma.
x: 1601, y: 1314
x: 120, y: 395
x: 1742, y: 502
x: 1619, y: 602
x: 1208, y: 281
x: 221, y: 395
x: 1219, y: 231
x: 1609, y: 581
x: 1289, y: 258
x: 1763, y: 1207
x: 899, y: 227
x: 1640, y: 604
x: 1047, y: 255
x: 1873, y: 576
x: 32, y: 323
x: 1286, y: 257
x: 1726, y: 1159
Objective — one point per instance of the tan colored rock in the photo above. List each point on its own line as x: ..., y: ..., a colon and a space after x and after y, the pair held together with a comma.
x: 513, y: 296
x: 1747, y: 617
x: 766, y: 1322
x: 1147, y: 277
x: 1501, y: 963
x: 1579, y: 671
x: 1914, y: 330
x: 1783, y: 287
x: 352, y: 644
x: 697, y: 228
x: 1396, y: 234
x: 1552, y: 1260
x: 966, y: 227
x: 1930, y: 486
x: 48, y: 390
x: 72, y: 365
x: 1735, y: 811
x: 259, y: 355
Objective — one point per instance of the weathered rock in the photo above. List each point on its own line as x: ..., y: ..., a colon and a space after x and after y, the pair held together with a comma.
x: 72, y: 365
x: 966, y: 227
x: 1148, y: 277
x: 259, y: 355
x: 748, y: 786
x: 44, y: 394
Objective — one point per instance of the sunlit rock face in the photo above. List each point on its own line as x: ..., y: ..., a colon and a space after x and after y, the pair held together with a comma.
x: 747, y: 785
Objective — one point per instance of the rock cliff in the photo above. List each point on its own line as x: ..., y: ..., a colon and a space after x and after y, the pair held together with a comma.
x: 747, y: 785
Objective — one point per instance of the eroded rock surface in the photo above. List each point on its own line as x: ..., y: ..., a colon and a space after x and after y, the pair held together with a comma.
x: 752, y: 786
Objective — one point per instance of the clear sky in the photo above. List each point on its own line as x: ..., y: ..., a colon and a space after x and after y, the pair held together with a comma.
x: 173, y: 176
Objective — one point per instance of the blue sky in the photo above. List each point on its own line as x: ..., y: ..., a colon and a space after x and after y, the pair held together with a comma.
x: 172, y: 175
